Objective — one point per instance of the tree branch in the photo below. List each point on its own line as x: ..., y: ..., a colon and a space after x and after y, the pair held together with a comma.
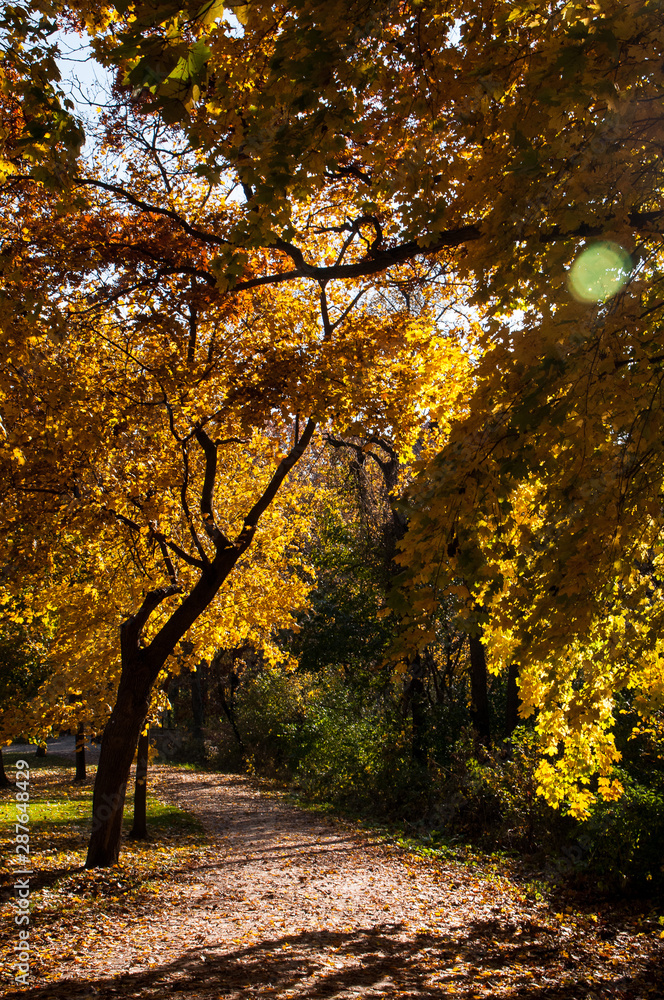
x: 131, y: 628
x: 328, y: 329
x: 180, y: 552
x: 145, y: 206
x: 243, y: 540
x: 185, y: 507
x: 207, y: 493
x: 168, y: 562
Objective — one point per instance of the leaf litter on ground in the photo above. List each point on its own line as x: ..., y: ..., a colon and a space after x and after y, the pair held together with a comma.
x: 242, y: 894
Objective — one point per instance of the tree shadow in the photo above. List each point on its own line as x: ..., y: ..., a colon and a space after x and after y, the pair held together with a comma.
x: 38, y: 880
x: 366, y: 962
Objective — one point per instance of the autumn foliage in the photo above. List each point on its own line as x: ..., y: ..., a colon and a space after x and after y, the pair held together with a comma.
x: 426, y: 233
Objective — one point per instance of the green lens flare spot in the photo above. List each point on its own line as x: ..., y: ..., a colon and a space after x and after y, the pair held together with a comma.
x: 599, y: 272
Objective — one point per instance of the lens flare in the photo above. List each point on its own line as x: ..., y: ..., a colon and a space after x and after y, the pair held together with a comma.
x: 599, y: 272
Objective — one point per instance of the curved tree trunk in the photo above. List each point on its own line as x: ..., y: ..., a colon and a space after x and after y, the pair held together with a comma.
x: 139, y: 830
x: 117, y: 753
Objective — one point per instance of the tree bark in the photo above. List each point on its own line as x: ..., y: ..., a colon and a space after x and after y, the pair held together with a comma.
x: 478, y: 687
x: 117, y: 753
x: 139, y: 830
x: 41, y: 750
x: 4, y: 780
x: 228, y: 708
x: 80, y: 754
x: 513, y: 701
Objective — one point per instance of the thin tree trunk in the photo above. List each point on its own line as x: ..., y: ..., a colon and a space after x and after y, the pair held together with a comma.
x: 4, y: 780
x: 478, y: 686
x: 197, y: 704
x: 513, y: 700
x: 80, y: 754
x: 228, y: 708
x: 139, y: 830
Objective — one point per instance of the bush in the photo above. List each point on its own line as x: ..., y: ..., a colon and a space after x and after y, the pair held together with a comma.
x: 487, y: 795
x: 359, y: 757
x: 624, y: 839
x: 339, y: 743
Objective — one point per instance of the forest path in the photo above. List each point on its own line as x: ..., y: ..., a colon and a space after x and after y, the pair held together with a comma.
x: 282, y: 903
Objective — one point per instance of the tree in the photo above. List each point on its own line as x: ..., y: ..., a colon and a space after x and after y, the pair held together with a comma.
x: 80, y: 753
x: 139, y: 830
x: 175, y: 418
x: 404, y: 138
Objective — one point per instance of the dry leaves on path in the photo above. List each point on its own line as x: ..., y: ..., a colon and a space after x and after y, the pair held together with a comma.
x: 281, y: 903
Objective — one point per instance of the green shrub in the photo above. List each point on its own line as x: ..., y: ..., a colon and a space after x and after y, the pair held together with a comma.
x: 624, y: 840
x: 487, y: 795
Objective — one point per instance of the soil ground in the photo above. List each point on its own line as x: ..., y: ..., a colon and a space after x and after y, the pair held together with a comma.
x: 282, y: 903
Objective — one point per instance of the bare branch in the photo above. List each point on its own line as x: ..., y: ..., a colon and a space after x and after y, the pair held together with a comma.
x: 168, y: 562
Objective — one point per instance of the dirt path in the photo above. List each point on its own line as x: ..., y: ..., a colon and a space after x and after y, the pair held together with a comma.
x: 283, y: 904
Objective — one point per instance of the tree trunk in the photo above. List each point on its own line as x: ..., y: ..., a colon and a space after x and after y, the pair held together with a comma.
x: 41, y: 750
x: 228, y: 708
x: 139, y: 830
x: 80, y: 754
x: 479, y: 712
x: 4, y: 780
x: 117, y: 753
x: 197, y: 704
x: 513, y: 700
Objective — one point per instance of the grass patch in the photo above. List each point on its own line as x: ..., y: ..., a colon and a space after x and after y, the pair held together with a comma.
x: 72, y: 906
x: 45, y: 812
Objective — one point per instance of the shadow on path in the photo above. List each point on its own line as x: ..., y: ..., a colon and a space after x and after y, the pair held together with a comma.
x: 367, y: 962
